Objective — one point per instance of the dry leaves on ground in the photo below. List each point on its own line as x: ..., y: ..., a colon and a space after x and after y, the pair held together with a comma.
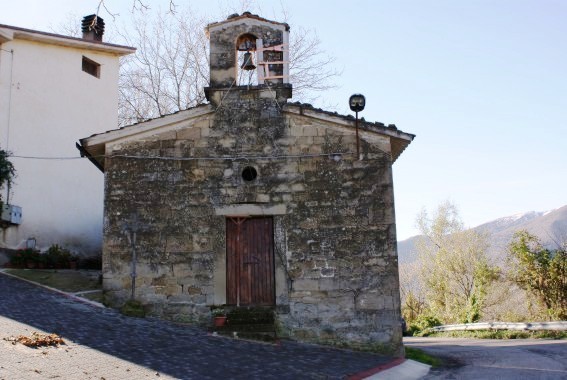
x: 37, y: 340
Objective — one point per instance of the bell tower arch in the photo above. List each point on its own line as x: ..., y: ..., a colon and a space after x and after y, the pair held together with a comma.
x: 246, y: 55
x: 248, y: 50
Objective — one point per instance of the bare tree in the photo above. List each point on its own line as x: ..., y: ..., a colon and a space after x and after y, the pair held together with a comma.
x: 168, y: 71
x: 412, y: 292
x: 69, y: 26
x: 454, y: 266
x: 171, y: 68
x: 137, y: 5
x: 311, y: 69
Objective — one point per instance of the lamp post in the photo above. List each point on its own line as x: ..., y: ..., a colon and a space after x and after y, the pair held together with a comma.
x: 357, y: 103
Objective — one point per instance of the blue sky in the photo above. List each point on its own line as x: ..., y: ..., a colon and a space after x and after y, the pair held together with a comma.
x: 482, y: 83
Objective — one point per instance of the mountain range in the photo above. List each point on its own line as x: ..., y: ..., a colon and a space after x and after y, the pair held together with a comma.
x: 549, y: 226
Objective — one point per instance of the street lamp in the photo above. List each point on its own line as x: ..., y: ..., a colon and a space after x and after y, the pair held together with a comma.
x: 357, y: 103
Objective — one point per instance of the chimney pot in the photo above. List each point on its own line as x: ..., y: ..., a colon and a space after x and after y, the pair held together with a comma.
x: 93, y: 28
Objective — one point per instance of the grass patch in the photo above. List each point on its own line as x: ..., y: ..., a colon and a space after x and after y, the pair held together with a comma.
x: 133, y: 308
x: 501, y: 334
x: 66, y: 280
x: 96, y: 296
x: 422, y: 357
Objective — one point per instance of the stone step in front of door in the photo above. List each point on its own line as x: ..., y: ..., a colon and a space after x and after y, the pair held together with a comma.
x: 263, y: 336
x: 257, y: 323
x: 246, y: 328
x: 250, y: 315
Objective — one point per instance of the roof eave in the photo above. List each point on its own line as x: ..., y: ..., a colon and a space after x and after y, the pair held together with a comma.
x: 398, y: 146
x: 66, y: 41
x: 217, y: 24
x: 95, y: 145
x: 5, y: 36
x: 399, y: 139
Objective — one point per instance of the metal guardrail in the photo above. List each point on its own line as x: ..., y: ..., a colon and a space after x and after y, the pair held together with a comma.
x: 529, y: 326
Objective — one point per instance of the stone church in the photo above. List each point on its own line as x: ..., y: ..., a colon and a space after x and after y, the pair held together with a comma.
x: 251, y: 200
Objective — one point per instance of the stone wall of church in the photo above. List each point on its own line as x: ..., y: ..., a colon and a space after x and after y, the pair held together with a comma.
x: 334, y: 231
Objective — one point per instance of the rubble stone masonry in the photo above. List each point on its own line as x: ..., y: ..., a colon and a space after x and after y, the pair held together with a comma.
x: 334, y: 226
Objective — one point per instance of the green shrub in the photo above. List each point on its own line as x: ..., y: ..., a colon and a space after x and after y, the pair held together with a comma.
x: 58, y: 257
x: 218, y: 311
x: 91, y: 263
x: 24, y: 257
x: 502, y: 334
x: 422, y: 323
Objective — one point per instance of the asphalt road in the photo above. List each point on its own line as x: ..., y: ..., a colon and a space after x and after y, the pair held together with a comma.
x: 495, y: 359
x: 103, y: 344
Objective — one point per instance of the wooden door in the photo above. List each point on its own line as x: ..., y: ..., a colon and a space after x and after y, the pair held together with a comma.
x: 250, y: 261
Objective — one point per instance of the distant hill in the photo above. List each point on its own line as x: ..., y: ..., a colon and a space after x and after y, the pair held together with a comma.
x: 549, y: 226
x: 406, y: 250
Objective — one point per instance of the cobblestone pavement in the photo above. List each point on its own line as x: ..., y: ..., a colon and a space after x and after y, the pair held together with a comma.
x: 103, y: 344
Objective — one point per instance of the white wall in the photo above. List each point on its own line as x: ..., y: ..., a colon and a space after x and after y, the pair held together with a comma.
x: 54, y: 104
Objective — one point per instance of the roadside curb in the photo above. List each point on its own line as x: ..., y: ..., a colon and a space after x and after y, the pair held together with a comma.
x: 66, y: 294
x: 398, y: 369
x: 409, y: 369
x: 368, y: 373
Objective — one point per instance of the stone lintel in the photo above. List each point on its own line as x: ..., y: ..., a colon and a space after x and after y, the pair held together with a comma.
x: 251, y: 210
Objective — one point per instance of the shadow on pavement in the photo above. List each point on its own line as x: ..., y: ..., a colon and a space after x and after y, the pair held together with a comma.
x: 180, y: 351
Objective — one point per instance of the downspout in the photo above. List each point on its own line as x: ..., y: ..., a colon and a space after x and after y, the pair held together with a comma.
x: 132, y: 240
x: 9, y: 115
x: 131, y: 230
x: 8, y: 119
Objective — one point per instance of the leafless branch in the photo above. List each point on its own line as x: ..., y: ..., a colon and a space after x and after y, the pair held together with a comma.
x: 171, y: 68
x: 103, y: 5
x: 137, y: 5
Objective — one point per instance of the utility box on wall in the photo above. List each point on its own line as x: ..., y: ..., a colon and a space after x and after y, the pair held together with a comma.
x: 11, y: 214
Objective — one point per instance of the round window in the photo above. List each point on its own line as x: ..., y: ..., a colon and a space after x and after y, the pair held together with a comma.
x: 249, y: 174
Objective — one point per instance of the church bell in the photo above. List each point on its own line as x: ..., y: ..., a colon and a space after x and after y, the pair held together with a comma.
x: 247, y: 63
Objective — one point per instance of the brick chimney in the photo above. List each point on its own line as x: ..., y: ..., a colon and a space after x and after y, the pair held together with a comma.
x: 93, y: 28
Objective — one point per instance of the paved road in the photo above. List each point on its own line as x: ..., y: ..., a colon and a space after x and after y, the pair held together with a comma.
x: 496, y: 359
x: 102, y: 344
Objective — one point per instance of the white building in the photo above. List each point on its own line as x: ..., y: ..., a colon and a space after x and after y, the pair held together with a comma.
x: 54, y: 90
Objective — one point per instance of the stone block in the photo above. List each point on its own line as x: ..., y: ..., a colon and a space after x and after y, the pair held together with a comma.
x: 202, y: 143
x: 310, y: 131
x: 291, y: 167
x: 372, y: 301
x: 296, y: 131
x: 286, y: 141
x: 329, y: 283
x: 282, y: 188
x: 198, y: 174
x: 262, y: 198
x: 227, y: 142
x: 327, y: 272
x: 316, y: 149
x: 296, y: 187
x: 305, y: 284
x: 189, y: 133
x: 159, y: 281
